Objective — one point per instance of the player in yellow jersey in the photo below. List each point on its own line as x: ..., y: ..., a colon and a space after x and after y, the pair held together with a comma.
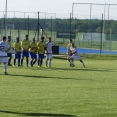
x: 9, y: 53
x: 25, y: 44
x: 41, y: 50
x: 33, y: 52
x: 17, y: 48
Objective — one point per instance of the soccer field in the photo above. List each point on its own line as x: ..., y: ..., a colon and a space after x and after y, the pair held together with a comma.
x: 60, y: 91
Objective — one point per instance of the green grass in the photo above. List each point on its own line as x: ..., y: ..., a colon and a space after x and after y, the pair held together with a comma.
x: 61, y: 91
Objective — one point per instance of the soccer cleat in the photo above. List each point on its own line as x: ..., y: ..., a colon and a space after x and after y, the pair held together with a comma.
x: 5, y: 73
x: 9, y: 65
x: 72, y: 65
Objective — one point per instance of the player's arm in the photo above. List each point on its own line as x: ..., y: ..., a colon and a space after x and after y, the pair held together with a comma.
x: 38, y: 45
x: 8, y: 47
x: 22, y: 45
x: 14, y: 46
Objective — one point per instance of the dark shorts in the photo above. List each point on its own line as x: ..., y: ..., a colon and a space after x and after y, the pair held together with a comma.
x: 25, y: 53
x: 9, y: 55
x: 40, y: 56
x: 17, y: 55
x: 32, y: 55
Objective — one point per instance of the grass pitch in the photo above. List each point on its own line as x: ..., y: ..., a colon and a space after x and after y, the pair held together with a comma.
x: 61, y: 91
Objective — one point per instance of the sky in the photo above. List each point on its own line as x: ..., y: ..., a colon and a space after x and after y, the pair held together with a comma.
x: 59, y: 8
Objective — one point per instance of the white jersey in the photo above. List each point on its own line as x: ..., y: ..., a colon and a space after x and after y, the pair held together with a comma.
x: 74, y: 49
x: 3, y: 47
x: 49, y: 47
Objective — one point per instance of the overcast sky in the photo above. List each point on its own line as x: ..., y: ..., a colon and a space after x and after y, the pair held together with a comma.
x: 62, y: 8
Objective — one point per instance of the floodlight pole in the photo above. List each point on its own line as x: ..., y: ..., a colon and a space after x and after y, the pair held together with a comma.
x: 90, y: 23
x: 6, y: 19
x: 101, y: 35
x: 70, y: 26
x: 38, y: 28
x: 28, y: 25
x: 104, y: 18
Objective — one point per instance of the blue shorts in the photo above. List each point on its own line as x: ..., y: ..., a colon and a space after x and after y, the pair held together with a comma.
x: 17, y: 55
x: 32, y: 55
x: 25, y: 53
x: 40, y: 56
x: 9, y: 55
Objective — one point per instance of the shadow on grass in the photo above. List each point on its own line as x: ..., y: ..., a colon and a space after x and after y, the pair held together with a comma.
x: 87, y: 69
x: 77, y: 69
x: 46, y: 77
x: 38, y: 114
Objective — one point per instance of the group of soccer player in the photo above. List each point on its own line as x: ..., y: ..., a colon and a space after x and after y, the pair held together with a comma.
x: 35, y: 51
x: 27, y: 49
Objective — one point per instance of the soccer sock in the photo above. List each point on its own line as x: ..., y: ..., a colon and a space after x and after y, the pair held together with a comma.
x: 34, y: 62
x: 38, y: 62
x: 50, y: 62
x: 46, y: 62
x: 41, y: 61
x: 14, y: 61
x: 5, y: 68
x: 26, y: 61
x: 9, y: 60
x: 83, y: 64
x: 71, y: 62
x: 22, y: 61
x: 18, y: 61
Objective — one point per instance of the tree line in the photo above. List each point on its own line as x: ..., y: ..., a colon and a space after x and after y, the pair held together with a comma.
x: 79, y: 25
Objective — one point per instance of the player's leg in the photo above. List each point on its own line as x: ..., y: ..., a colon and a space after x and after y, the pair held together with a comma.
x: 46, y: 62
x: 4, y: 61
x: 14, y: 63
x: 31, y: 59
x: 50, y: 60
x: 31, y: 63
x: 35, y: 58
x: 41, y: 61
x: 80, y: 59
x: 71, y: 59
x: 19, y: 58
x: 22, y: 58
x: 15, y: 57
x: 5, y: 67
x: 82, y: 63
x: 27, y: 58
x: 9, y: 60
x: 38, y: 60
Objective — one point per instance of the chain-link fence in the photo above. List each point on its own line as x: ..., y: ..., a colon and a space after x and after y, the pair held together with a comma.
x: 92, y: 33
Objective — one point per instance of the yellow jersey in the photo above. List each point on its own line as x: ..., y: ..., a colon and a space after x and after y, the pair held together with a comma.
x: 68, y: 46
x: 9, y: 42
x: 25, y: 44
x: 33, y: 47
x: 17, y: 46
x: 41, y: 47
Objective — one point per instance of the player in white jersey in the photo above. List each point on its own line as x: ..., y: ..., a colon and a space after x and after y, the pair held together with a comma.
x: 48, y: 52
x: 75, y: 55
x: 4, y: 48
